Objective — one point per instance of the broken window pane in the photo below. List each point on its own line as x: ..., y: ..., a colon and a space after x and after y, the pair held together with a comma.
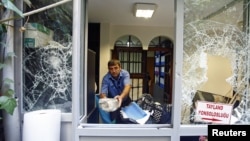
x: 215, y: 62
x: 47, y: 57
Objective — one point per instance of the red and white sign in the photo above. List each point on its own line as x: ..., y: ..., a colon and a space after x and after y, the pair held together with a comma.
x: 213, y: 112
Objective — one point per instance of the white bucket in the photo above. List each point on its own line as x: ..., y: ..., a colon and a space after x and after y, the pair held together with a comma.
x: 42, y: 125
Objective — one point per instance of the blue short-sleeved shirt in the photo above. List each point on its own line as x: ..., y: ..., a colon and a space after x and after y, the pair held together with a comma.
x: 112, y: 87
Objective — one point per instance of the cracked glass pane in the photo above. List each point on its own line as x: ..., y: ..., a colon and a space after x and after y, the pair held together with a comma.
x: 47, y: 58
x: 215, y: 61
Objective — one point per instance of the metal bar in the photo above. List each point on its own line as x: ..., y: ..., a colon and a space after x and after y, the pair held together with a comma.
x: 37, y: 10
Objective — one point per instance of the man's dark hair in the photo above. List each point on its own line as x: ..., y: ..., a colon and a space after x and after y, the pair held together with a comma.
x: 114, y: 62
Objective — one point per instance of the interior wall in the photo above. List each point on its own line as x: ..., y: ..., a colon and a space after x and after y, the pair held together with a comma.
x: 105, y: 52
x: 144, y: 33
x: 219, y: 69
x: 110, y: 33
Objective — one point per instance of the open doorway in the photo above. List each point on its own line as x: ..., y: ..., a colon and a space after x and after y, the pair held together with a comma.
x: 159, y: 66
x: 150, y: 65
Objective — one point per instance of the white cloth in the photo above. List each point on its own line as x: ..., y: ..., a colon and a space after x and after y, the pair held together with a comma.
x: 108, y: 104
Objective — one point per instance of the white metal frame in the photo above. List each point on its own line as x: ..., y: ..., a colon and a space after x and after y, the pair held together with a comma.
x: 79, y: 65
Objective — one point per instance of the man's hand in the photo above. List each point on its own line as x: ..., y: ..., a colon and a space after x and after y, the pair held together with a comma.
x: 119, y: 98
x: 103, y: 96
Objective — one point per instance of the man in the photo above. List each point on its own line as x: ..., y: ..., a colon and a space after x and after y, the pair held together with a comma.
x: 116, y: 84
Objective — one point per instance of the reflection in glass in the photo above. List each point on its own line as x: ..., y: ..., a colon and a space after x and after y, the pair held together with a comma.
x: 215, y: 59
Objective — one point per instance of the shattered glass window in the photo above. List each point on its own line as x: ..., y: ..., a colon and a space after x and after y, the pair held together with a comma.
x: 216, y: 62
x: 47, y: 56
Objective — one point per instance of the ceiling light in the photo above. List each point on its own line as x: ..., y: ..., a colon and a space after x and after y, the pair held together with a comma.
x: 144, y: 10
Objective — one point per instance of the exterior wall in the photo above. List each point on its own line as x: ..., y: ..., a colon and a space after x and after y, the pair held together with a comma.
x: 66, y: 127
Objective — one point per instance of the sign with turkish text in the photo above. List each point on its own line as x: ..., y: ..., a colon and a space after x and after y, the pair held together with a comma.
x: 213, y: 112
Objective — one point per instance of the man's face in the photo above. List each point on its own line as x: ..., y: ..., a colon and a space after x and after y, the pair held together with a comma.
x: 114, y: 70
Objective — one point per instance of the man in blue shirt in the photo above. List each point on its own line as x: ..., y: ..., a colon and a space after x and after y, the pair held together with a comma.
x: 116, y: 84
